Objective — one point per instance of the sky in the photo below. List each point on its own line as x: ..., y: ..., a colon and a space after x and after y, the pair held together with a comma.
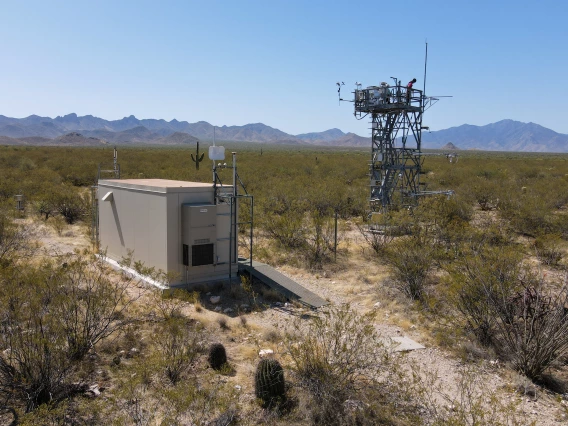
x: 277, y: 62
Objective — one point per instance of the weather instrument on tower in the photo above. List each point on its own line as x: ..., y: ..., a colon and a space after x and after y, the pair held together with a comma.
x: 396, y: 113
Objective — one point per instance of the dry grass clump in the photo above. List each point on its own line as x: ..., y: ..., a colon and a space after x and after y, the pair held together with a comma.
x: 272, y: 335
x: 223, y: 323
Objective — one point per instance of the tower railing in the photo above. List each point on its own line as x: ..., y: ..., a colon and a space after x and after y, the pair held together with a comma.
x: 381, y: 99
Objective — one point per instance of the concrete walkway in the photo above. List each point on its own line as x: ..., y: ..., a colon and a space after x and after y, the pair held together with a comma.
x: 281, y: 283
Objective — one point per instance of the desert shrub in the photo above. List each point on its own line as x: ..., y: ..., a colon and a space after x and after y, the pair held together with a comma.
x: 45, y: 208
x: 320, y: 237
x: 528, y: 212
x: 452, y: 209
x: 72, y: 206
x: 485, y: 193
x: 410, y: 260
x: 506, y: 307
x: 141, y: 399
x: 58, y: 224
x: 179, y: 342
x: 533, y: 329
x: 548, y: 249
x: 17, y: 241
x: 284, y: 221
x: 52, y: 315
x: 309, y: 232
x: 217, y: 356
x: 341, y: 362
x: 91, y: 305
x: 378, y: 234
x: 195, y: 403
x: 269, y: 383
x: 490, y: 234
x: 472, y: 404
x: 171, y: 303
x: 438, y: 214
x: 480, y: 279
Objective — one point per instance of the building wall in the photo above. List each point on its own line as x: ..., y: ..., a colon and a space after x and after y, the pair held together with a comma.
x: 137, y: 221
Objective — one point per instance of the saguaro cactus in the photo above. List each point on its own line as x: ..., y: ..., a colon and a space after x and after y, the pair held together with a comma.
x: 197, y: 159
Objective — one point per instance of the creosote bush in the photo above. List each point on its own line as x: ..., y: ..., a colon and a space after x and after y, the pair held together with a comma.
x: 339, y: 359
x: 17, y: 241
x: 52, y: 316
x: 505, y: 306
x: 378, y: 234
x: 170, y: 303
x: 179, y: 342
x: 479, y: 280
x: 548, y: 249
x: 410, y: 260
x: 532, y: 329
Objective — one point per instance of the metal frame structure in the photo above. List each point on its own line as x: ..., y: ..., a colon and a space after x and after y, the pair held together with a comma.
x: 233, y: 198
x: 396, y: 143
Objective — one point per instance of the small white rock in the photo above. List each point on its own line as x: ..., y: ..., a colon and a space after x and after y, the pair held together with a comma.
x: 228, y: 311
x: 95, y: 390
x: 215, y: 299
x: 264, y: 352
x: 218, y: 309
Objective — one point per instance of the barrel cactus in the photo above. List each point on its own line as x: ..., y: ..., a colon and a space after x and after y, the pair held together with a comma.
x: 217, y: 356
x: 269, y: 381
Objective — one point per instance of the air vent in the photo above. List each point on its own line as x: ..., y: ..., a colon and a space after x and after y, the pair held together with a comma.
x: 201, y: 241
x: 202, y: 254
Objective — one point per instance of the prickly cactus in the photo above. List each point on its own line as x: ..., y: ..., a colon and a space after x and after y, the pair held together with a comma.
x: 217, y: 356
x: 269, y: 381
x: 197, y: 159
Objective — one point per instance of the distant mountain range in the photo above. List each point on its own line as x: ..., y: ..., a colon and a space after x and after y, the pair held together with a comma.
x: 505, y: 135
x: 72, y: 130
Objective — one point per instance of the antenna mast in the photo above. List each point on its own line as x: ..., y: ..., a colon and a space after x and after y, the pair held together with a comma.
x: 425, y: 65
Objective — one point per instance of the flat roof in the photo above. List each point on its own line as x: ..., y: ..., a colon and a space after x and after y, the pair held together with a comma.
x: 156, y: 185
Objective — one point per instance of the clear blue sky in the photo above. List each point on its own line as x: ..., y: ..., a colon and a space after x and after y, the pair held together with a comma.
x: 238, y: 62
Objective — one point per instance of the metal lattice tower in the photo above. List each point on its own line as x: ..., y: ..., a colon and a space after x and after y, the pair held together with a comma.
x: 396, y: 136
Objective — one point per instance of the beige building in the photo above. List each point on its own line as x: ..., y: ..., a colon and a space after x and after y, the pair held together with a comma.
x: 173, y: 226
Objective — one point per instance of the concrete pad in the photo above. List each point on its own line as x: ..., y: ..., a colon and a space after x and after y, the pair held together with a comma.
x: 402, y: 344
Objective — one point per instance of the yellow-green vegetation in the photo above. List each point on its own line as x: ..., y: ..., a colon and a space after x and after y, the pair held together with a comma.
x: 482, y: 273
